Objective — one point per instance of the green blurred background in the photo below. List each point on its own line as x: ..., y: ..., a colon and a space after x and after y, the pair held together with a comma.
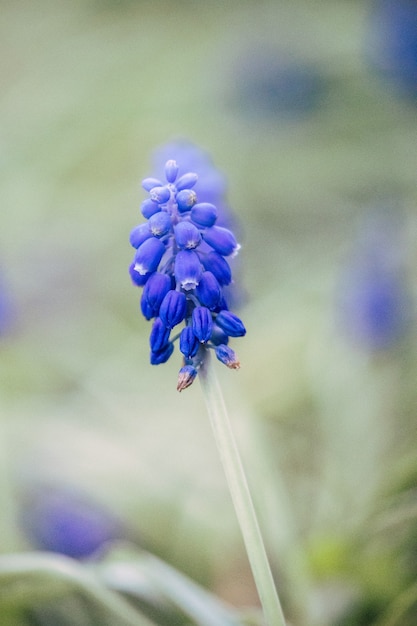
x: 326, y: 425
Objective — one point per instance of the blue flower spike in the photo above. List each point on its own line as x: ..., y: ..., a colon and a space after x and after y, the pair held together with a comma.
x: 180, y: 263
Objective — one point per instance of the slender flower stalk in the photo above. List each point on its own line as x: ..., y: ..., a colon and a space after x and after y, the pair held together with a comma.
x: 182, y: 261
x: 241, y: 497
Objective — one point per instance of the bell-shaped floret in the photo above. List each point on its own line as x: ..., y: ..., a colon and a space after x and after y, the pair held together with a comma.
x: 155, y: 291
x: 222, y: 240
x: 208, y: 290
x: 186, y: 199
x: 149, y: 255
x: 139, y: 234
x: 202, y: 323
x: 204, y: 214
x: 159, y: 224
x: 173, y: 308
x: 137, y: 279
x: 160, y: 195
x: 186, y: 181
x: 215, y: 263
x: 187, y: 235
x: 187, y: 269
x: 163, y: 355
x: 149, y: 208
x: 145, y: 307
x: 231, y: 324
x: 159, y: 336
x: 189, y: 343
x: 150, y: 183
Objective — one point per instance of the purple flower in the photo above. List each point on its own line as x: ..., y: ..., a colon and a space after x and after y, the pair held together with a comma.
x: 62, y: 520
x: 374, y: 303
x: 391, y: 44
x: 180, y: 261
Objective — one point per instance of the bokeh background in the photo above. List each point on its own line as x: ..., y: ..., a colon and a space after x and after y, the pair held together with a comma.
x: 309, y: 109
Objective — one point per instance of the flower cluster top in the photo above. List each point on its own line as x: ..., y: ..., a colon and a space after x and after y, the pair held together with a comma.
x: 181, y: 263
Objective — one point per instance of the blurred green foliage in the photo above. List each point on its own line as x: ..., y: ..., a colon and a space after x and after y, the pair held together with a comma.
x: 88, y: 90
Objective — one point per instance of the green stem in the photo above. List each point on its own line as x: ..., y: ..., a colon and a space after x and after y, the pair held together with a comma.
x: 240, y: 494
x: 35, y: 577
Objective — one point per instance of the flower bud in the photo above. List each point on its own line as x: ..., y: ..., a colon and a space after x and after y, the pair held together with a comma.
x: 173, y: 308
x: 186, y: 377
x: 231, y: 324
x: 189, y: 343
x: 159, y: 336
x: 150, y: 183
x: 139, y: 234
x: 149, y: 255
x: 160, y: 224
x: 187, y: 235
x: 204, y: 214
x: 145, y: 307
x: 186, y: 181
x: 163, y: 355
x: 218, y: 265
x: 208, y: 290
x: 137, y: 279
x: 202, y: 323
x: 186, y: 199
x: 148, y: 208
x: 222, y: 240
x: 155, y: 291
x: 171, y: 170
x: 160, y: 195
x: 227, y: 356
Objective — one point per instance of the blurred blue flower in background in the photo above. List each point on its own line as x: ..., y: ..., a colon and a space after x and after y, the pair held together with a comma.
x: 7, y: 312
x: 392, y: 43
x: 66, y: 521
x: 268, y: 83
x: 374, y: 297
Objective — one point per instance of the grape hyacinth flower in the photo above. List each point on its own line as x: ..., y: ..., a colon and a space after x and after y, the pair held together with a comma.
x: 374, y: 301
x: 182, y: 262
x: 61, y: 519
x: 391, y: 44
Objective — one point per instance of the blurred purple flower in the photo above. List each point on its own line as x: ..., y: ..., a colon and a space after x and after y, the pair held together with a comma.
x: 59, y: 519
x: 270, y: 84
x: 391, y: 43
x: 374, y: 300
x: 7, y: 311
